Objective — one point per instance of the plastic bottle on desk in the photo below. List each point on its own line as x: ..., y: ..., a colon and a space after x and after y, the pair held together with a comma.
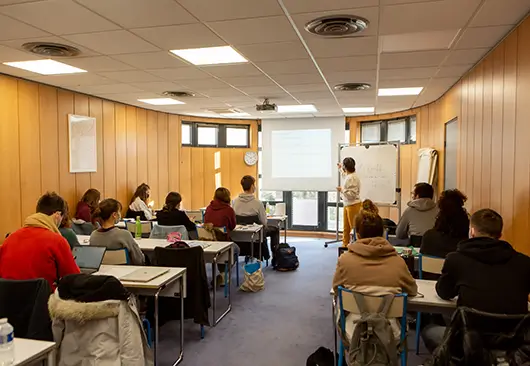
x: 7, y: 343
x: 138, y: 233
x: 268, y: 208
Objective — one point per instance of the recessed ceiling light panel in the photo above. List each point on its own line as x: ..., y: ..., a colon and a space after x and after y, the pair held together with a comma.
x: 210, y: 55
x: 161, y: 101
x: 387, y: 92
x: 45, y: 67
x: 297, y: 108
x: 359, y: 110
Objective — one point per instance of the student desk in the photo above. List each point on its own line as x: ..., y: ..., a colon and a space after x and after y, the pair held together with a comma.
x: 248, y: 233
x: 280, y: 221
x: 30, y: 351
x: 170, y: 284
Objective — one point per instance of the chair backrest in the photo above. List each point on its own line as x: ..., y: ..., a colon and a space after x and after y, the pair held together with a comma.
x: 430, y: 264
x: 247, y: 220
x: 342, y: 250
x: 83, y: 229
x: 397, y: 309
x: 131, y: 227
x: 161, y: 231
x: 415, y: 240
x: 131, y: 214
x: 116, y: 256
x: 197, y: 215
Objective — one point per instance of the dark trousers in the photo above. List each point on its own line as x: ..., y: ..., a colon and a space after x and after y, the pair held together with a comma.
x: 273, y: 232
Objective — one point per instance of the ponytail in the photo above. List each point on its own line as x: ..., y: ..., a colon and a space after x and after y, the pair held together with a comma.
x: 105, y: 209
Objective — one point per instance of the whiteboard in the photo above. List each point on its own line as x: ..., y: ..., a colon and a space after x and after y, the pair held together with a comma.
x: 376, y: 167
x: 82, y: 143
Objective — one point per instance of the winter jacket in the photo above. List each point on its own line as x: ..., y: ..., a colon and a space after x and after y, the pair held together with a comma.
x: 83, y: 212
x: 437, y: 244
x: 419, y: 217
x: 220, y: 214
x: 96, y: 323
x: 175, y: 218
x: 248, y: 205
x: 487, y: 275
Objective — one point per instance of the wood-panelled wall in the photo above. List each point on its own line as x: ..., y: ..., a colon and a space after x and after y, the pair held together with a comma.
x: 135, y: 145
x: 492, y: 106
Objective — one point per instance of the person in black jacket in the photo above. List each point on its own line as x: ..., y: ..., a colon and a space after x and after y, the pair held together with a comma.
x: 171, y: 215
x: 486, y: 274
x: 450, y: 228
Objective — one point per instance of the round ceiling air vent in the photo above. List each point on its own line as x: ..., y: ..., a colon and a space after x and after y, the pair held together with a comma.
x: 178, y: 94
x: 337, y: 25
x: 352, y: 87
x: 51, y: 49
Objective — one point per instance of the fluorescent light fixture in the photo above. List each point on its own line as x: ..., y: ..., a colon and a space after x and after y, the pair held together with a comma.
x: 235, y: 114
x: 210, y: 55
x: 161, y: 101
x: 359, y: 110
x: 399, y: 91
x: 45, y: 67
x: 297, y: 108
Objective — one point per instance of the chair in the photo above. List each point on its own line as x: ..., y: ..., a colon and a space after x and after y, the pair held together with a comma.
x: 398, y: 309
x: 116, y: 256
x: 342, y: 250
x: 415, y: 240
x: 131, y: 214
x: 161, y: 231
x: 262, y: 240
x: 146, y: 228
x: 426, y: 264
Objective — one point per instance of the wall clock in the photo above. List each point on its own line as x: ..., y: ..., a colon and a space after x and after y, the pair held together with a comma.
x: 251, y: 158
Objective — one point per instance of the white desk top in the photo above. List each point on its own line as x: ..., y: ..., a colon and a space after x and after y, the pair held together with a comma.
x: 29, y: 350
x: 277, y: 217
x: 248, y: 228
x: 430, y: 297
x: 120, y: 271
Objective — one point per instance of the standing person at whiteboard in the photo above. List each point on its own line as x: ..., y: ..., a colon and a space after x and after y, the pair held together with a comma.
x: 350, y: 192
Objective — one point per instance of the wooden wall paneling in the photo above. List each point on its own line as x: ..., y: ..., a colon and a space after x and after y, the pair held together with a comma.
x: 197, y: 178
x: 497, y: 128
x: 478, y: 133
x: 97, y: 179
x: 152, y: 154
x: 225, y: 170
x: 209, y: 174
x: 185, y: 183
x: 406, y: 173
x: 122, y: 187
x: 109, y: 150
x: 65, y: 106
x: 522, y: 132
x: 132, y: 157
x: 141, y: 144
x: 30, y: 173
x: 10, y: 188
x: 49, y: 143
x: 163, y: 163
x: 462, y: 135
x: 508, y: 143
x: 174, y: 146
x: 82, y: 180
x: 470, y: 143
x: 486, y: 132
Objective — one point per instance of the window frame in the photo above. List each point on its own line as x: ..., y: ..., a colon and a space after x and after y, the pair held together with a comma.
x: 239, y: 127
x: 383, y: 135
x: 191, y: 133
x: 220, y: 136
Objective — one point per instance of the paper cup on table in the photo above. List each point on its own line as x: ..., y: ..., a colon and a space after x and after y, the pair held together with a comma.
x: 280, y: 209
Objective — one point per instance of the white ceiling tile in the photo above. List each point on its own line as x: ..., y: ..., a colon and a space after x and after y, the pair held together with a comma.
x: 405, y: 83
x: 52, y: 39
x: 426, y: 16
x: 464, y: 57
x: 371, y: 14
x: 180, y: 36
x: 287, y: 67
x: 158, y: 86
x: 13, y: 29
x: 422, y: 41
x: 131, y: 76
x: 347, y: 63
x: 232, y: 70
x: 8, y: 70
x: 356, y: 99
x: 9, y: 2
x: 132, y: 97
x: 482, y: 37
x: 255, y: 30
x: 280, y: 51
x: 341, y: 47
x: 202, y: 84
x: 457, y: 70
x: 97, y: 64
x: 313, y: 95
x: 298, y: 79
x: 496, y: 12
x: 249, y: 81
x: 181, y: 73
x: 226, y: 92
x: 140, y: 13
x: 265, y: 92
x: 110, y: 89
x: 112, y: 43
x: 308, y: 6
x: 409, y: 73
x: 320, y: 87
x: 395, y: 2
x: 74, y: 79
x: 59, y: 17
x: 151, y: 60
x: 8, y: 54
x: 208, y: 11
x: 412, y: 59
x: 442, y: 83
x: 365, y: 76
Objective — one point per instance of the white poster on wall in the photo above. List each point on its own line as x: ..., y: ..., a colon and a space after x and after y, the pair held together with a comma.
x: 82, y: 143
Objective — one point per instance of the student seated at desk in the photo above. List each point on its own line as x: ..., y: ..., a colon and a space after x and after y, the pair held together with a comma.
x: 66, y: 228
x: 450, y: 228
x: 110, y: 236
x: 89, y: 202
x: 371, y: 265
x: 171, y: 215
x: 486, y: 274
x: 421, y: 213
x: 140, y: 201
x: 38, y: 250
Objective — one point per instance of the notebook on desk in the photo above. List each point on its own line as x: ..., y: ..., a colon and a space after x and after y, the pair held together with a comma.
x: 202, y: 244
x: 144, y: 274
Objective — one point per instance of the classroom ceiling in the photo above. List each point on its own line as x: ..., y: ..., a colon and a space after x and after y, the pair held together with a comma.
x: 125, y: 43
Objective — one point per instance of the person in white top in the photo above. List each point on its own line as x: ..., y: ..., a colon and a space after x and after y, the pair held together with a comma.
x: 139, y: 201
x: 350, y: 192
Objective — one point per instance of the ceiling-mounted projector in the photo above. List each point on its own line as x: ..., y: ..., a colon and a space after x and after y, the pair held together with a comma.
x: 266, y: 107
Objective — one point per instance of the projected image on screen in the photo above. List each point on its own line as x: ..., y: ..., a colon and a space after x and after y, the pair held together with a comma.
x: 301, y: 153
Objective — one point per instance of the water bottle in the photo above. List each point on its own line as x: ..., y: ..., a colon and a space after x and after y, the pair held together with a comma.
x: 138, y: 234
x: 7, y: 343
x: 268, y: 208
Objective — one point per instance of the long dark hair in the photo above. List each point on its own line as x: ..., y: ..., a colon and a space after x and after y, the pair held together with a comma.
x: 105, y: 209
x: 142, y: 192
x: 173, y: 200
x: 452, y: 218
x: 91, y: 198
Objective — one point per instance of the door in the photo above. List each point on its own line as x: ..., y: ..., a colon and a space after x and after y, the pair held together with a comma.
x: 451, y: 150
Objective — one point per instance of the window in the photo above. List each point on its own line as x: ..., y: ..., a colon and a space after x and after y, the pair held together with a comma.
x: 206, y: 136
x: 186, y: 134
x: 402, y: 130
x: 237, y: 136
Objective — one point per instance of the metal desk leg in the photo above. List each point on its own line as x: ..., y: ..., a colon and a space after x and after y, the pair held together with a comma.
x: 214, y: 266
x: 214, y: 277
x: 181, y: 353
x: 334, y: 332
x: 285, y: 230
x: 155, y: 343
x: 259, y: 245
x: 50, y: 360
x: 229, y: 308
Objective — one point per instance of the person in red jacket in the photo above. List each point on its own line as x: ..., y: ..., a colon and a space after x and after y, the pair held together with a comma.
x: 219, y: 212
x: 38, y: 250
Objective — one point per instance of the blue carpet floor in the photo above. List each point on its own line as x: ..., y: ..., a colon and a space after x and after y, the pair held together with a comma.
x: 280, y: 326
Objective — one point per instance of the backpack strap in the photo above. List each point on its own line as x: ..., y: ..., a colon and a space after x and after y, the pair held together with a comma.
x: 384, y: 307
x: 359, y: 299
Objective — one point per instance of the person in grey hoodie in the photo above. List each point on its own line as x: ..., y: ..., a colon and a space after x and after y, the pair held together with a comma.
x: 421, y: 214
x: 246, y: 204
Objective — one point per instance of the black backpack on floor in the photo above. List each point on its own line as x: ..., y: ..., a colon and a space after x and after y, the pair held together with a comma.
x: 322, y: 357
x: 285, y: 258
